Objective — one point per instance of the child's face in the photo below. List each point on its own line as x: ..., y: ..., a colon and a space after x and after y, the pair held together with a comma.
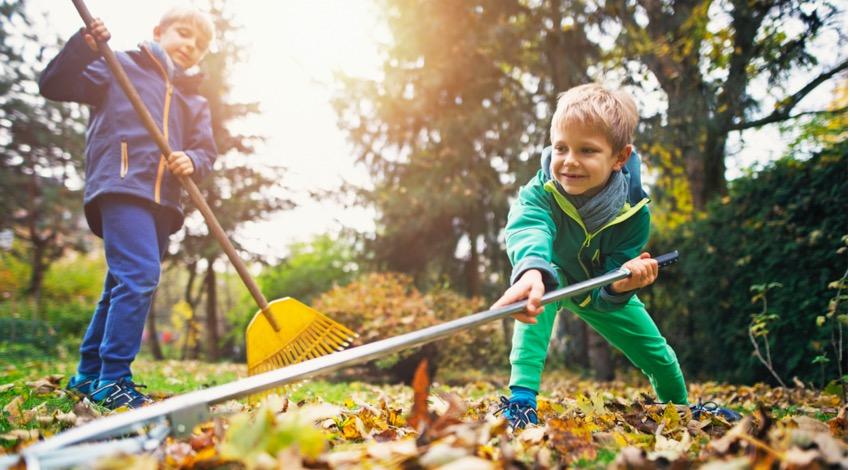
x: 183, y: 41
x: 582, y: 158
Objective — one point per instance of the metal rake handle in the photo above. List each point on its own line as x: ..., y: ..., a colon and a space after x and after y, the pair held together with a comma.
x: 183, y: 411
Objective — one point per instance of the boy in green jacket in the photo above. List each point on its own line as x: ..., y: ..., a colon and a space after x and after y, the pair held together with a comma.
x: 578, y: 218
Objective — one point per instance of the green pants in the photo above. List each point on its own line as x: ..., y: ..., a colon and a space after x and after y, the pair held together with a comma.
x: 629, y: 329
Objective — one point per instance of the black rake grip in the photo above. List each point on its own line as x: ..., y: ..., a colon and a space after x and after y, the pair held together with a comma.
x: 667, y: 259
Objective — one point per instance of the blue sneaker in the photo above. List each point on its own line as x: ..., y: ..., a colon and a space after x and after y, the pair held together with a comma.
x: 519, y: 413
x: 713, y: 408
x: 81, y: 385
x: 118, y: 393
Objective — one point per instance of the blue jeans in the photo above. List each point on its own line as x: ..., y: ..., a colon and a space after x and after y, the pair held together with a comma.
x: 135, y: 237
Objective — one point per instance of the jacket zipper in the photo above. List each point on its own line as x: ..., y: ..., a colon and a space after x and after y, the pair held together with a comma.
x: 160, y: 172
x: 572, y: 212
x: 125, y: 161
x: 169, y: 89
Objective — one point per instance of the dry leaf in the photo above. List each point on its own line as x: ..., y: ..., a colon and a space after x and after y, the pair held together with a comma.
x: 419, y: 418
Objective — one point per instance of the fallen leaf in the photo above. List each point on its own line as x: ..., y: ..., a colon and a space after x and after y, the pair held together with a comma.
x: 532, y: 435
x: 46, y: 385
x: 127, y: 462
x: 20, y: 435
x: 388, y: 450
x: 468, y: 463
x: 14, y: 410
x: 441, y: 454
x: 419, y: 418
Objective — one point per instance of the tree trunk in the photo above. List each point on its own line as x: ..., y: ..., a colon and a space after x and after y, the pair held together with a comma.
x: 599, y: 354
x: 37, y: 275
x: 572, y: 338
x: 153, y: 336
x: 508, y: 332
x: 473, y: 281
x: 212, y: 315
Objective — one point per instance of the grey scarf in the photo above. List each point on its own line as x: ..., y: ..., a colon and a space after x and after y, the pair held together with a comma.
x: 598, y: 210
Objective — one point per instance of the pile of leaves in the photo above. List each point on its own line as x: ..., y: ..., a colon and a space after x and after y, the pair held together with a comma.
x: 384, y: 305
x: 584, y: 424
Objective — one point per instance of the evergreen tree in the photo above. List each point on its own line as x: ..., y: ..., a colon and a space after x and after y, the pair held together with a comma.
x: 239, y: 190
x: 41, y: 154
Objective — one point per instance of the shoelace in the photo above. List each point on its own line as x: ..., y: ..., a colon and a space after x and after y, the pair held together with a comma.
x: 515, y: 411
x: 708, y: 407
x: 131, y: 388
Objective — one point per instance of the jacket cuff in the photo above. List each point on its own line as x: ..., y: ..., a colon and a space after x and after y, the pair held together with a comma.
x: 550, y: 277
x: 199, y: 163
x: 80, y: 53
x: 618, y: 299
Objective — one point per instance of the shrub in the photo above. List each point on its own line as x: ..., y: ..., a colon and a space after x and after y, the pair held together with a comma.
x: 786, y: 225
x: 383, y: 305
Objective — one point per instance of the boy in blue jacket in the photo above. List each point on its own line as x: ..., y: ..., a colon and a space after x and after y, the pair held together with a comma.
x: 132, y: 194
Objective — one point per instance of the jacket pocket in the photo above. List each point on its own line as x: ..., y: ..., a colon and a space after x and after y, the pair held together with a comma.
x: 125, y: 160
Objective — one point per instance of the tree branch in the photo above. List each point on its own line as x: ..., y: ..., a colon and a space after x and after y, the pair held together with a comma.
x: 783, y: 112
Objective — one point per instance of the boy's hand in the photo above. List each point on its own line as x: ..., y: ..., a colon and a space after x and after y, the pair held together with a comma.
x: 530, y: 286
x: 644, y: 270
x: 95, y: 33
x: 180, y: 164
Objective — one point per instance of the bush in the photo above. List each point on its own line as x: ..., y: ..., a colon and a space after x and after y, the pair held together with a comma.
x: 70, y: 291
x: 787, y: 225
x: 380, y: 306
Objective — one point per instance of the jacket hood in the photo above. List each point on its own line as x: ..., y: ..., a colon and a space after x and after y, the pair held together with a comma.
x: 631, y: 171
x: 152, y: 52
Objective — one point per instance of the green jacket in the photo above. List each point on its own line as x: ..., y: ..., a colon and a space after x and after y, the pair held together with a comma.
x: 545, y: 232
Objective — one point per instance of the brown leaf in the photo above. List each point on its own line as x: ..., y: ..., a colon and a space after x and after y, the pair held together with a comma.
x: 85, y: 411
x: 21, y: 435
x: 127, y: 462
x: 633, y: 458
x: 468, y: 463
x: 14, y: 410
x: 202, y: 441
x: 457, y: 408
x: 179, y: 454
x: 393, y: 449
x: 838, y: 425
x: 728, y: 443
x: 46, y: 385
x: 442, y: 453
x: 532, y: 435
x: 419, y: 418
x: 68, y: 418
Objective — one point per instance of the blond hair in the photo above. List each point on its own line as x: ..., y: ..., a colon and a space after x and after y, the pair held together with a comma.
x: 185, y: 13
x: 592, y: 104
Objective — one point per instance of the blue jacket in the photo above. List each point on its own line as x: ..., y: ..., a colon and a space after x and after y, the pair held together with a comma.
x: 121, y: 158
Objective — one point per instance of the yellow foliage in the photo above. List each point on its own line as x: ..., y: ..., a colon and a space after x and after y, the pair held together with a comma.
x: 183, y: 321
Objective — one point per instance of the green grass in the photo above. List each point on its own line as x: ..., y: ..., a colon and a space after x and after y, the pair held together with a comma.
x: 163, y: 379
x: 794, y: 410
x: 340, y: 393
x: 603, y: 458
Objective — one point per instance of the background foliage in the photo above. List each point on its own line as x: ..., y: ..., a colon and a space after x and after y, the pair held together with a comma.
x: 448, y: 131
x: 787, y: 224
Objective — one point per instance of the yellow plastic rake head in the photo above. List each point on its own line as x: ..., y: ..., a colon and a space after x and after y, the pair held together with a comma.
x: 303, y: 333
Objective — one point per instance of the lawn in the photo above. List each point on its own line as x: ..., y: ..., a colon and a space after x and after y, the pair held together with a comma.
x: 345, y: 423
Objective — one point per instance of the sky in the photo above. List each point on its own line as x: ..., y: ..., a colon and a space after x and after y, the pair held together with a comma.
x: 292, y: 49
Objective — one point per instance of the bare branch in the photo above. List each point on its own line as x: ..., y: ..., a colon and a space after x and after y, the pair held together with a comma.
x: 783, y: 112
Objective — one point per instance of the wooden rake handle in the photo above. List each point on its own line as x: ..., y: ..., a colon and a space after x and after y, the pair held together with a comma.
x: 187, y: 182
